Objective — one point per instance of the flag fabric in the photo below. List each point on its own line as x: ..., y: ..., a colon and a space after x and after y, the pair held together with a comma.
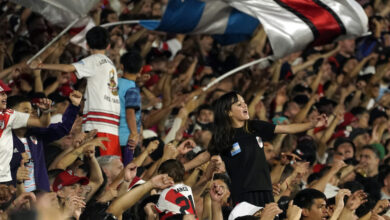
x: 215, y: 17
x: 60, y: 12
x: 291, y: 25
x: 80, y: 33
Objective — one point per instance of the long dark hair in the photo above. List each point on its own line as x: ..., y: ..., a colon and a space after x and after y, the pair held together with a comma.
x: 222, y: 130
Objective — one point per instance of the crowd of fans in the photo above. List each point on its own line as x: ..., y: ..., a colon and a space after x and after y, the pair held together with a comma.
x: 150, y: 153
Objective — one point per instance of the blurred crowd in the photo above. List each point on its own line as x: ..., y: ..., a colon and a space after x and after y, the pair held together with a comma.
x: 57, y: 161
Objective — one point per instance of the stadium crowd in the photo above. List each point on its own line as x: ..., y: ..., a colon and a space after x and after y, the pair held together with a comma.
x: 123, y: 129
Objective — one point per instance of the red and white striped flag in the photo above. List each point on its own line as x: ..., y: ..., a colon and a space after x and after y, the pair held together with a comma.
x: 292, y: 25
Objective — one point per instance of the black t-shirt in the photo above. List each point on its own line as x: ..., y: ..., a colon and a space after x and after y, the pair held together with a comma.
x: 246, y: 164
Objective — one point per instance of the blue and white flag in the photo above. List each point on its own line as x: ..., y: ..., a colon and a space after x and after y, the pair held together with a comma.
x: 291, y: 25
x: 227, y: 24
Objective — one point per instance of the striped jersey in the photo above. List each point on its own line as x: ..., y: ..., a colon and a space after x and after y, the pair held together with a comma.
x: 102, y: 106
x: 177, y: 199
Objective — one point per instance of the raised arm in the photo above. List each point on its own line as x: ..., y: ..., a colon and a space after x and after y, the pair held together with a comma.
x: 69, y: 158
x: 197, y: 161
x: 57, y: 67
x: 96, y: 175
x: 44, y: 105
x: 318, y: 121
x: 126, y: 201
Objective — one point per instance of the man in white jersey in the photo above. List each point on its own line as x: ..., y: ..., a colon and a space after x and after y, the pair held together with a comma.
x: 102, y: 106
x: 10, y: 119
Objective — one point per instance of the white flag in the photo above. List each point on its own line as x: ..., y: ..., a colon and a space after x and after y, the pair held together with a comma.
x: 292, y: 25
x: 60, y: 12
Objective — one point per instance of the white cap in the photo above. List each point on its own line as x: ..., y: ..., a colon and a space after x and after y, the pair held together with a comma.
x: 243, y: 209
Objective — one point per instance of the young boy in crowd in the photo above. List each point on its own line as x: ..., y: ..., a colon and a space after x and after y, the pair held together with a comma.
x: 102, y: 106
x: 10, y: 119
x: 33, y: 140
x: 177, y: 199
x: 130, y: 99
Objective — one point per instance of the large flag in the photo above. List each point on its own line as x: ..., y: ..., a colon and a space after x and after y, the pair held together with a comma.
x: 214, y: 17
x: 60, y: 12
x: 291, y: 25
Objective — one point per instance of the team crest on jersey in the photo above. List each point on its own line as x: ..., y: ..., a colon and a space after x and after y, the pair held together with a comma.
x: 112, y: 85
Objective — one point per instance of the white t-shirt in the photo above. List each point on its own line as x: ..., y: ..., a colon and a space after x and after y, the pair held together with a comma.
x: 177, y: 199
x: 9, y: 119
x: 102, y: 106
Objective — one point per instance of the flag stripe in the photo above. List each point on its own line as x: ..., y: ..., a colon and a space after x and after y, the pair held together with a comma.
x: 312, y: 27
x: 235, y: 30
x: 214, y: 18
x: 334, y: 14
x: 313, y: 13
x: 181, y: 16
x: 236, y: 21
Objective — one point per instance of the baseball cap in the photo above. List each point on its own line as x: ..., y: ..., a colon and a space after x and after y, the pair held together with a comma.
x: 243, y: 209
x: 4, y: 87
x: 67, y: 178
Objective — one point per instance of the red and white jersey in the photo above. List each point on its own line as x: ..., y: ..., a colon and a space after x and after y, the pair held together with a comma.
x: 102, y: 106
x: 177, y: 199
x: 9, y: 119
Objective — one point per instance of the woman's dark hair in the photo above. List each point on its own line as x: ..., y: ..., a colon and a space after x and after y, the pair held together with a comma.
x: 221, y: 140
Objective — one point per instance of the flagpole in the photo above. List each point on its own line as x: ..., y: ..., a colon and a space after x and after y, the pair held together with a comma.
x: 235, y: 70
x: 54, y: 40
x: 125, y: 22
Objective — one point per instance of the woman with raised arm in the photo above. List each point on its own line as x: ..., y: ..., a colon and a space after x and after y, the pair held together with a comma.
x: 239, y: 141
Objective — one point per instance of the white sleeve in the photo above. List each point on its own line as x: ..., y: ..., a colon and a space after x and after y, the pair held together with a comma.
x: 19, y: 120
x: 172, y: 133
x: 85, y: 67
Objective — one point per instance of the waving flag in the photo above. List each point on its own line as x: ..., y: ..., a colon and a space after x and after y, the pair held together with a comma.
x: 214, y: 17
x: 291, y: 25
x: 60, y: 12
